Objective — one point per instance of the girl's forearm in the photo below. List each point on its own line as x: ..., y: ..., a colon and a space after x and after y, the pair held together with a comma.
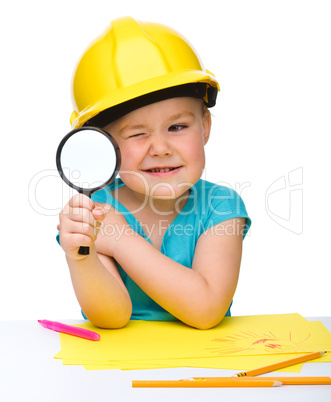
x: 178, y: 289
x: 100, y: 295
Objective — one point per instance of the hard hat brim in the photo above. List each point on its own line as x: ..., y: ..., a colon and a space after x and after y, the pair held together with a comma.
x: 137, y: 90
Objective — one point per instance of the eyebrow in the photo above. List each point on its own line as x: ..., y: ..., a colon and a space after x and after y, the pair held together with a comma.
x: 176, y: 116
x: 179, y: 115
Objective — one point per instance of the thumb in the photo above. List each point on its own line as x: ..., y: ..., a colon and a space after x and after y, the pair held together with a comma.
x: 100, y: 210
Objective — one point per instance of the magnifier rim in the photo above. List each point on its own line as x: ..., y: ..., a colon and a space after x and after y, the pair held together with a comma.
x: 91, y: 190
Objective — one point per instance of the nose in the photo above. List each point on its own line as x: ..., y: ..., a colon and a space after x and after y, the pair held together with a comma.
x: 160, y: 146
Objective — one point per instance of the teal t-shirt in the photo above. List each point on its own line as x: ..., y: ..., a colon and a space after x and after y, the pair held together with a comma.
x: 207, y: 205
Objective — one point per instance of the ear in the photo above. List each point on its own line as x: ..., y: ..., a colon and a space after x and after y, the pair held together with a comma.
x: 206, y: 126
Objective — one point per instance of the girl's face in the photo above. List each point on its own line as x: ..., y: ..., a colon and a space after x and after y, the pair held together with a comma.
x: 162, y: 147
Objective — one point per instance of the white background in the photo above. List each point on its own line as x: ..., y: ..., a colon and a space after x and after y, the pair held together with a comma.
x: 269, y: 141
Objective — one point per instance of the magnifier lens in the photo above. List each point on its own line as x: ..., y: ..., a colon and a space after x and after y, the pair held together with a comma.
x: 88, y: 159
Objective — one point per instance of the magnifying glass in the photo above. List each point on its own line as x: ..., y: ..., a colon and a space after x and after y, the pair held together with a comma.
x: 88, y: 159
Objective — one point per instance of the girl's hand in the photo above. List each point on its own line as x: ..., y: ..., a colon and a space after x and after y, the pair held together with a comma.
x: 80, y: 222
x: 114, y: 229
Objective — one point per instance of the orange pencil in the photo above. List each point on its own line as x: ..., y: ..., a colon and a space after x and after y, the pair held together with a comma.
x: 283, y: 380
x: 218, y: 383
x: 282, y: 364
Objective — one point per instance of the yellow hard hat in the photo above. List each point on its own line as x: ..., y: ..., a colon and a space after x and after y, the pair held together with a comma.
x: 133, y: 64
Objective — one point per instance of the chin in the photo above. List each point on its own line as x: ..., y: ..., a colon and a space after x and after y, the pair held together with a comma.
x: 167, y: 191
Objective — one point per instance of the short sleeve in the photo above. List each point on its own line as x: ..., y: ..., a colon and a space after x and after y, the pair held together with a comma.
x: 225, y: 203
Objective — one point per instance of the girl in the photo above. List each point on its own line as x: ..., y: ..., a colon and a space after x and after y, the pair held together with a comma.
x: 164, y: 244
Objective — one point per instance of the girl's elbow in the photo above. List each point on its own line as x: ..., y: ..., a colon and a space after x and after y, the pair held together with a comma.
x: 111, y: 321
x: 204, y: 324
x: 207, y: 320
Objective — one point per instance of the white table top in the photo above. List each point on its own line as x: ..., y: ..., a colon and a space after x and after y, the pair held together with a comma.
x: 28, y: 372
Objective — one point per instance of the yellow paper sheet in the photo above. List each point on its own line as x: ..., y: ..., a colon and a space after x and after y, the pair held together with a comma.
x: 238, y: 343
x: 80, y: 349
x: 235, y: 336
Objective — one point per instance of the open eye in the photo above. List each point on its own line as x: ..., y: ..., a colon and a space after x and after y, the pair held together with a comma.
x: 177, y: 127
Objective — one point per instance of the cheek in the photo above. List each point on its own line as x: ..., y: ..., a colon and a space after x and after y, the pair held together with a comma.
x: 195, y: 160
x: 135, y: 181
x: 127, y: 159
x: 129, y: 170
x: 130, y: 157
x: 195, y: 150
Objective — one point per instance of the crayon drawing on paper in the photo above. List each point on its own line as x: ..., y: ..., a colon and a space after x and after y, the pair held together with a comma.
x: 256, y: 343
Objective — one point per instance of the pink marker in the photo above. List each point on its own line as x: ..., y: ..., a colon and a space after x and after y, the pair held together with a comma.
x: 70, y: 330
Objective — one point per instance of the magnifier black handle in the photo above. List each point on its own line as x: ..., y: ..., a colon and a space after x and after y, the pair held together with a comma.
x: 83, y: 250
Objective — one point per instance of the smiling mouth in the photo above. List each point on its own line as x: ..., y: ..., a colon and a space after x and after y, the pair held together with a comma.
x: 162, y: 170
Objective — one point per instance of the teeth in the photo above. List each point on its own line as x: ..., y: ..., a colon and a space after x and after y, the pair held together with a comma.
x: 161, y: 170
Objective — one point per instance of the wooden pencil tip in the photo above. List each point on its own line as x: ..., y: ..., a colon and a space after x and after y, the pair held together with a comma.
x: 277, y: 384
